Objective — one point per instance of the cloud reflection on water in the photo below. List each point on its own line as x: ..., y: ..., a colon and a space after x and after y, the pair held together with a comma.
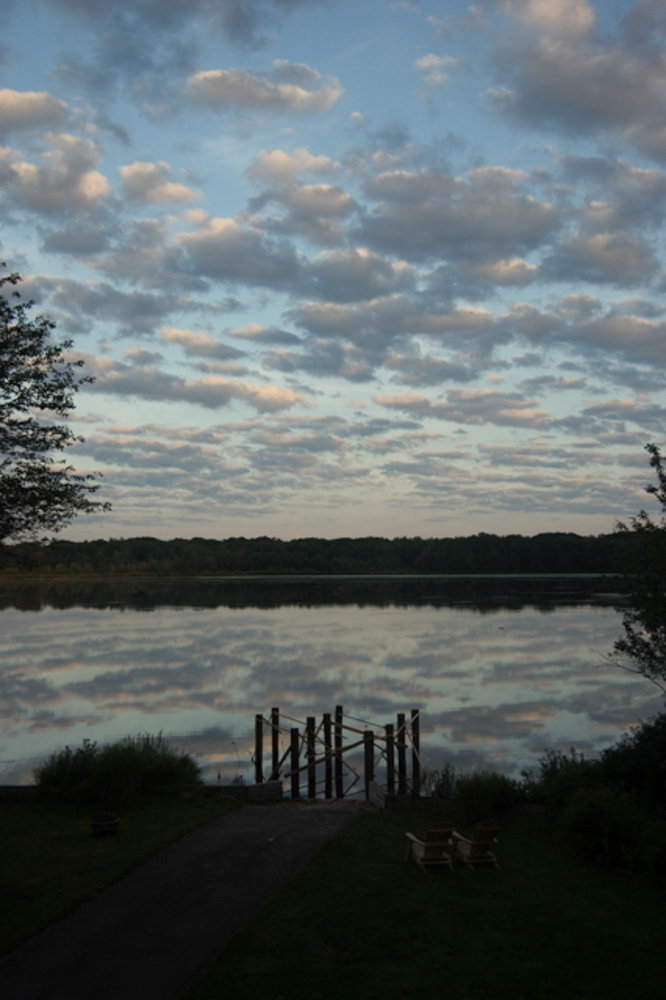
x: 496, y: 686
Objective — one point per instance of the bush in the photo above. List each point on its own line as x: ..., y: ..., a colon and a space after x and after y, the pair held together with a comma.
x: 438, y: 783
x: 607, y: 829
x: 637, y: 764
x: 562, y: 776
x: 485, y: 794
x: 118, y: 771
x: 604, y: 828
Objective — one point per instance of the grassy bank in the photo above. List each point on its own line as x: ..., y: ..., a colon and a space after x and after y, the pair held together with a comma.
x: 50, y: 861
x: 360, y: 922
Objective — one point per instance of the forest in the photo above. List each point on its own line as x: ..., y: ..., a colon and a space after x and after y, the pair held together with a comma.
x: 550, y: 552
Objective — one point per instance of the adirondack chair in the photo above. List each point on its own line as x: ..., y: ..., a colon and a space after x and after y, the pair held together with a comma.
x: 435, y: 851
x: 476, y: 851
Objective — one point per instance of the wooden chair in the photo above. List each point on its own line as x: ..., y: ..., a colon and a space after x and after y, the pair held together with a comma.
x: 435, y: 851
x: 476, y: 851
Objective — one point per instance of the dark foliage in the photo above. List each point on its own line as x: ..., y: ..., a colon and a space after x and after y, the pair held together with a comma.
x: 117, y: 772
x: 637, y: 764
x: 642, y: 648
x: 36, y: 493
x: 612, y: 810
x: 477, y: 554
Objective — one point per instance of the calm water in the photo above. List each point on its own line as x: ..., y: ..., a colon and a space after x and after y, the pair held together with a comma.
x: 501, y: 669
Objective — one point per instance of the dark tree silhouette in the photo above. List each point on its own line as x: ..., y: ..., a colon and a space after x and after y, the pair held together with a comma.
x: 642, y: 647
x: 37, y: 493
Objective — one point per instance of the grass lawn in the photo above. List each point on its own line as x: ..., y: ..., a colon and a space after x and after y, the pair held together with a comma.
x: 360, y: 922
x: 49, y: 862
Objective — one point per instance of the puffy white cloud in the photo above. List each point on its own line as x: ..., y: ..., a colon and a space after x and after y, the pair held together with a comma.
x: 353, y: 275
x: 153, y: 45
x: 431, y: 213
x: 23, y: 110
x: 568, y: 74
x: 504, y: 272
x: 151, y: 184
x: 291, y: 88
x: 77, y: 304
x: 434, y: 70
x: 198, y: 344
x: 66, y: 181
x: 278, y: 167
x: 230, y: 251
x: 613, y: 258
x: 573, y: 18
x: 315, y: 211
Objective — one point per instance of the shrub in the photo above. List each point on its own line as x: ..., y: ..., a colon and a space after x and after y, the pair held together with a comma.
x: 562, y: 776
x: 68, y: 769
x: 117, y: 771
x: 603, y: 828
x: 637, y: 764
x: 439, y: 783
x: 607, y: 829
x: 485, y: 794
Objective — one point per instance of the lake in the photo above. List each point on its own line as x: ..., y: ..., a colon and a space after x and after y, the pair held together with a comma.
x: 501, y: 668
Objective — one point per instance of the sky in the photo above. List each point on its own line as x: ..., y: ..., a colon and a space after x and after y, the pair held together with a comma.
x: 342, y: 268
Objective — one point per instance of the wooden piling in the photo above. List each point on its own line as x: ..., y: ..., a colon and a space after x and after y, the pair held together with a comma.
x: 401, y: 744
x: 369, y: 760
x: 328, y: 770
x: 390, y: 761
x: 416, y: 752
x: 258, y: 749
x: 311, y: 757
x: 339, y: 789
x: 275, y: 744
x: 295, y: 791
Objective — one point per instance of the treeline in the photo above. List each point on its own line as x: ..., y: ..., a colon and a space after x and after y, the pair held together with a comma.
x: 477, y: 554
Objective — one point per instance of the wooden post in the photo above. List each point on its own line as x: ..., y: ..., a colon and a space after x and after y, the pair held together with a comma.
x: 339, y: 790
x: 369, y: 755
x: 275, y: 744
x: 295, y: 792
x: 416, y: 757
x: 258, y: 749
x: 390, y: 762
x: 328, y: 770
x: 402, y: 764
x: 311, y: 757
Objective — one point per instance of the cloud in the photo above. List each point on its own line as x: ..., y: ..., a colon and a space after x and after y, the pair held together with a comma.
x: 21, y: 111
x: 511, y: 272
x: 199, y: 344
x: 291, y: 88
x: 150, y: 183
x: 483, y: 217
x: 258, y: 334
x: 354, y: 275
x: 77, y: 304
x: 151, y: 46
x: 605, y: 258
x: 566, y: 73
x: 146, y: 382
x: 563, y: 18
x: 315, y: 211
x: 67, y: 180
x: 424, y: 370
x: 434, y: 70
x: 472, y: 406
x: 278, y: 167
x: 231, y: 251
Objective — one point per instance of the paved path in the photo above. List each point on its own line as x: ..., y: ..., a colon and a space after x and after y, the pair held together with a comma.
x: 153, y: 934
